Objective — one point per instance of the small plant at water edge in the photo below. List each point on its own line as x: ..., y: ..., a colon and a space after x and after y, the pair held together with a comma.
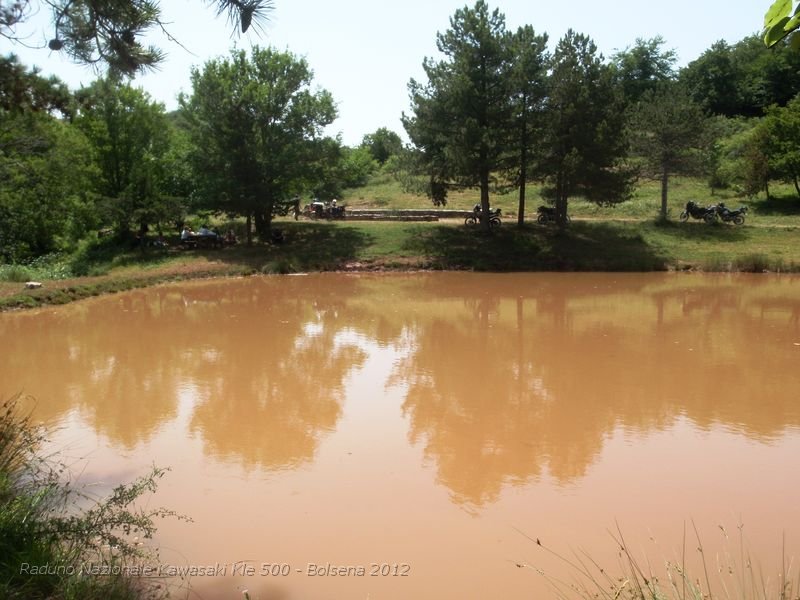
x: 731, y: 575
x: 57, y: 541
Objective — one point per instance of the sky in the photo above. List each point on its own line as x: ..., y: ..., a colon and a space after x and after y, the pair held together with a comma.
x: 365, y: 51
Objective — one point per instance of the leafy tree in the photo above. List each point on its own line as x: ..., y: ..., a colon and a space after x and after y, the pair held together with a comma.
x: 667, y: 133
x: 714, y: 80
x: 767, y: 76
x: 23, y: 89
x: 337, y: 167
x: 745, y: 78
x: 461, y: 116
x: 405, y: 168
x: 357, y: 166
x: 755, y: 171
x: 528, y: 94
x: 737, y: 156
x: 256, y: 126
x: 382, y: 144
x: 45, y: 183
x: 782, y: 126
x: 584, y: 141
x: 177, y: 182
x: 643, y: 67
x: 130, y: 136
x: 45, y: 170
x: 111, y: 31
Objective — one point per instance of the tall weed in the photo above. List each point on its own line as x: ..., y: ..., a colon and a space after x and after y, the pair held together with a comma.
x: 46, y: 520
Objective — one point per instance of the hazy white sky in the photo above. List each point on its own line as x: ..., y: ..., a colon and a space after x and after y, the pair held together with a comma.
x: 365, y: 51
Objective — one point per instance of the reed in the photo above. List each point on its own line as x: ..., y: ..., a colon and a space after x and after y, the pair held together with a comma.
x: 729, y: 574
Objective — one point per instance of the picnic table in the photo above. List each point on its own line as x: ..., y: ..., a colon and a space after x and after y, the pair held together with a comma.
x: 199, y: 240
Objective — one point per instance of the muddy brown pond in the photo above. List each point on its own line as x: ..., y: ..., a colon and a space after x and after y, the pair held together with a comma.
x: 429, y: 428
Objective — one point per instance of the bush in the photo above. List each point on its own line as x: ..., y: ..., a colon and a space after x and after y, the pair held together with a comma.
x: 44, y: 520
x: 15, y: 274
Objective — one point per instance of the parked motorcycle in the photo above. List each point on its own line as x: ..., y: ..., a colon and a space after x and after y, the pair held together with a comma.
x: 547, y: 214
x: 475, y: 217
x: 727, y: 215
x: 707, y: 214
x: 323, y: 210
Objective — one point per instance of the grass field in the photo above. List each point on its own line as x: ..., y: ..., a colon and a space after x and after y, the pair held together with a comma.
x: 384, y: 192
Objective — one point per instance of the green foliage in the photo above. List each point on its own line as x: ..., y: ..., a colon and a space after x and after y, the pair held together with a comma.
x: 528, y: 94
x: 112, y: 32
x: 461, y: 117
x: 357, y: 166
x: 404, y: 168
x: 745, y: 78
x: 382, y: 144
x: 781, y: 21
x: 713, y: 80
x: 24, y: 90
x: 42, y: 522
x: 45, y: 177
x: 130, y: 137
x: 782, y: 148
x: 584, y: 143
x: 667, y: 132
x: 643, y: 67
x: 14, y: 273
x: 738, y: 157
x: 256, y: 127
x: 755, y: 165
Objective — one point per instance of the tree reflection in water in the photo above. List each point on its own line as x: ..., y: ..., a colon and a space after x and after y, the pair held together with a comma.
x: 527, y: 376
x: 509, y: 378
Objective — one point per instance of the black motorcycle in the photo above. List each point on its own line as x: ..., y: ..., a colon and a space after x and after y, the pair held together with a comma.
x: 547, y: 214
x: 707, y: 214
x: 731, y: 216
x: 475, y: 217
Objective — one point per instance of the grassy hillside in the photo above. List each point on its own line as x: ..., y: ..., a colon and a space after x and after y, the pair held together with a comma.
x: 383, y: 191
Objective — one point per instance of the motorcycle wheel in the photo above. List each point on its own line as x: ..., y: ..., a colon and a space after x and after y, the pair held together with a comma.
x: 470, y: 221
x: 494, y: 222
x: 684, y: 216
x: 542, y: 220
x: 738, y: 220
x: 710, y: 218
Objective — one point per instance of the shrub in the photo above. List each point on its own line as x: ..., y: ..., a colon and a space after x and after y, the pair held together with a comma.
x: 15, y: 274
x: 45, y: 520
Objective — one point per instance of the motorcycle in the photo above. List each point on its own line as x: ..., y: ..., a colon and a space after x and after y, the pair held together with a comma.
x: 547, y: 214
x: 323, y: 210
x: 708, y: 214
x: 475, y: 217
x: 727, y: 215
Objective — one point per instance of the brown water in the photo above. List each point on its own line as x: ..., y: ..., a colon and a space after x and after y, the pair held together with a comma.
x: 434, y: 423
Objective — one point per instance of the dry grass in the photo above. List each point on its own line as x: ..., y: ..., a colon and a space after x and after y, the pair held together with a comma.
x: 728, y: 574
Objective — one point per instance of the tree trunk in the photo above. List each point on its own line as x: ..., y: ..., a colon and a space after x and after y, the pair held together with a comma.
x: 561, y: 202
x: 249, y: 229
x: 766, y: 188
x: 796, y: 185
x: 141, y: 236
x: 523, y: 164
x: 664, y: 189
x: 262, y: 226
x: 523, y: 175
x: 485, y: 200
